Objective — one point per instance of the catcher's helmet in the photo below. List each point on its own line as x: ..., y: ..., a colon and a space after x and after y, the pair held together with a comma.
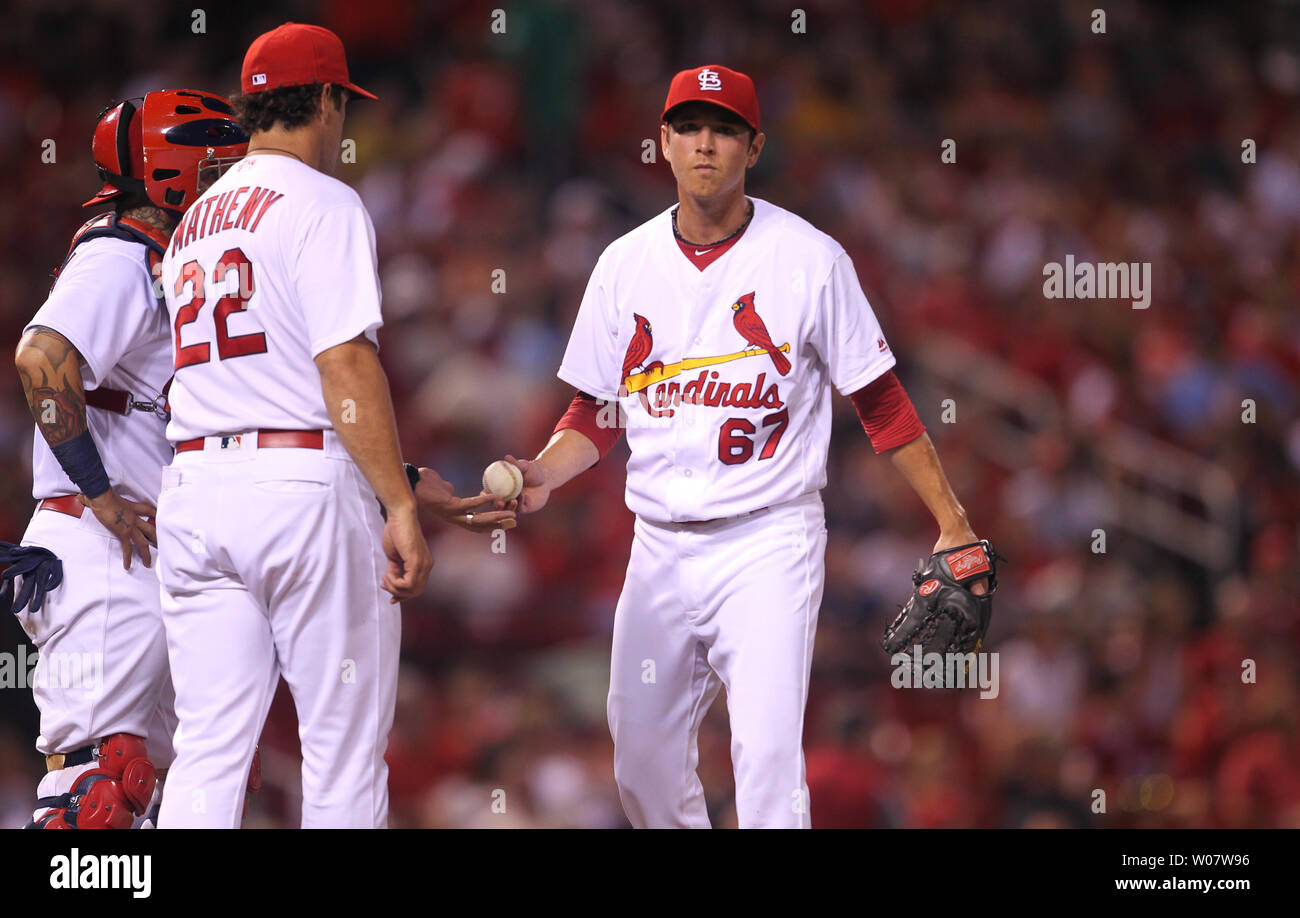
x: 168, y: 145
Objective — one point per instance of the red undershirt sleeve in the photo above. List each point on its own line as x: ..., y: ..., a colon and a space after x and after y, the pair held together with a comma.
x: 590, y: 418
x: 887, y: 414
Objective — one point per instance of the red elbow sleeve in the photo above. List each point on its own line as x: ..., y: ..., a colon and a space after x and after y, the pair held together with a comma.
x: 887, y: 414
x: 599, y: 422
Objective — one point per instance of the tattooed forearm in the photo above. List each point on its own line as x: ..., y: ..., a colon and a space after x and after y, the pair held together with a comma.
x: 60, y: 414
x: 50, y: 370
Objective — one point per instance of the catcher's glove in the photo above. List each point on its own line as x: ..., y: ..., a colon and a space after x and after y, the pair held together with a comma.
x: 40, y: 569
x: 942, y: 614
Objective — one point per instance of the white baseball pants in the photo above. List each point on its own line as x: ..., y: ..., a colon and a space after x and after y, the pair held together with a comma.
x: 730, y: 603
x: 270, y: 565
x: 103, y: 655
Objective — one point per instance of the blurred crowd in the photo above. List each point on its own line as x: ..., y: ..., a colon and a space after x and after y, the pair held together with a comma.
x: 1120, y: 672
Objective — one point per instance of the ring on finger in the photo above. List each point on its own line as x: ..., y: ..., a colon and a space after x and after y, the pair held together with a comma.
x: 469, y: 517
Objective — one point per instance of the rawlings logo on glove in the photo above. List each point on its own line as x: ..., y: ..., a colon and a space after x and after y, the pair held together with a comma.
x: 942, y: 615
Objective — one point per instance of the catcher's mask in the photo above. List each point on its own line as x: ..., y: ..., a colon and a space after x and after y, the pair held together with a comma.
x: 168, y: 145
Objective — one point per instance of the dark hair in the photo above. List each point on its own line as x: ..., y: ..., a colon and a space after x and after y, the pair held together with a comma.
x: 130, y: 200
x: 697, y: 105
x: 290, y: 106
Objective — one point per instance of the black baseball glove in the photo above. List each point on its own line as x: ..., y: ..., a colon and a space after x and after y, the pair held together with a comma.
x: 942, y: 614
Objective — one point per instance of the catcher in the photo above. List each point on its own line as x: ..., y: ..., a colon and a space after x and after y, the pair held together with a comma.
x: 96, y: 363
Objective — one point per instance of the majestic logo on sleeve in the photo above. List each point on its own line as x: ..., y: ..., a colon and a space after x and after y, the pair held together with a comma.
x: 705, y: 390
x: 751, y: 328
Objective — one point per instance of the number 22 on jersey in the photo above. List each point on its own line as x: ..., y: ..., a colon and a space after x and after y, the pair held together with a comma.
x: 228, y: 345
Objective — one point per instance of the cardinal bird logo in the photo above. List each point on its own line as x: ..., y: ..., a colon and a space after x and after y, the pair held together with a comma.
x: 638, y: 349
x: 751, y: 328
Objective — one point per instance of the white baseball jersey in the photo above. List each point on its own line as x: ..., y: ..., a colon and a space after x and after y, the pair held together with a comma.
x: 102, y: 652
x: 728, y: 408
x: 104, y: 304
x: 250, y: 589
x: 274, y: 264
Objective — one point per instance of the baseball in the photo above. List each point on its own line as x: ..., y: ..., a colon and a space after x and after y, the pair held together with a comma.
x: 503, y: 479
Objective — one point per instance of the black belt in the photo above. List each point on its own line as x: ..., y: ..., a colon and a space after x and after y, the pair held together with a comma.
x: 83, y: 756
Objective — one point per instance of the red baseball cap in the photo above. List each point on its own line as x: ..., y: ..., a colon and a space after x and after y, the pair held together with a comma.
x: 720, y: 86
x: 296, y: 55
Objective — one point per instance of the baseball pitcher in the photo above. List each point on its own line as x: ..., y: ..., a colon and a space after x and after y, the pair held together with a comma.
x: 714, y: 333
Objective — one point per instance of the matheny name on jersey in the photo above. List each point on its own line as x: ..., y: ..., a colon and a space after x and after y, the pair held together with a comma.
x: 231, y: 210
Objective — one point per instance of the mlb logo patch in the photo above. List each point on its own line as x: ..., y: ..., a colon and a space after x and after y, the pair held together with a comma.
x: 259, y: 79
x: 710, y: 80
x: 232, y: 442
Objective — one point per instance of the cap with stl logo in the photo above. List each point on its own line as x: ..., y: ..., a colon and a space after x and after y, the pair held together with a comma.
x: 722, y: 86
x: 296, y: 55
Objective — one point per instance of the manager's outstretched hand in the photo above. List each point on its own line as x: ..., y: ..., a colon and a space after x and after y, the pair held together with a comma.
x: 482, y: 513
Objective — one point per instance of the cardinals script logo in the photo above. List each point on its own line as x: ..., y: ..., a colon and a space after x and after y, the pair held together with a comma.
x: 640, y: 373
